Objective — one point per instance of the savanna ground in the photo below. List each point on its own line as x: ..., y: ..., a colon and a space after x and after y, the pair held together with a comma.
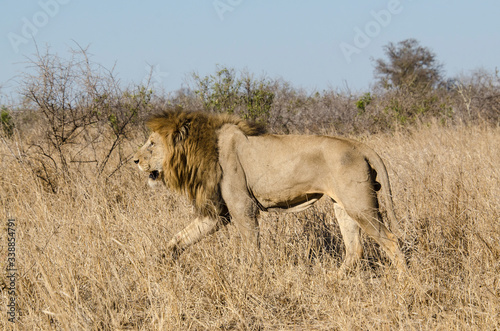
x: 87, y: 257
x: 89, y: 231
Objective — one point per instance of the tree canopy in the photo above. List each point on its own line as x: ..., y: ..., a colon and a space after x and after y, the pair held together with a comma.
x: 408, y: 65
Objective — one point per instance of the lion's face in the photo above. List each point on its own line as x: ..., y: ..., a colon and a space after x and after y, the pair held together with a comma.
x: 150, y: 158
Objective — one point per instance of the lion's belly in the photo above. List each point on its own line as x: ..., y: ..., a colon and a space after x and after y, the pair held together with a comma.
x: 294, y: 184
x: 289, y: 205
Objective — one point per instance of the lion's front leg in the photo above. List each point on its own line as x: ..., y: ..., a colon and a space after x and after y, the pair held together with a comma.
x: 192, y: 233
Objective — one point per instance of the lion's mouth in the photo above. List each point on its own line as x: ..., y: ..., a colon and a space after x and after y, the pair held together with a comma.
x: 154, y: 174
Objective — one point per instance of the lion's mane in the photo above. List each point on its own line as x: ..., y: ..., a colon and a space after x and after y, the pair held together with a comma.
x: 191, y: 163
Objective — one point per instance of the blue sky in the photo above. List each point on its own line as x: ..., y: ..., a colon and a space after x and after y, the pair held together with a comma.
x: 314, y: 45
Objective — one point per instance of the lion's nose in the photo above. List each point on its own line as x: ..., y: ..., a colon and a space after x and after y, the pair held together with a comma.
x: 136, y: 161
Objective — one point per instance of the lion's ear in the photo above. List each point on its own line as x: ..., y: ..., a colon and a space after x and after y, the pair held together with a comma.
x: 181, y: 133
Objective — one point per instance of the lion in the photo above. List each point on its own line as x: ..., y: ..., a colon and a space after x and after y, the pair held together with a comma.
x: 232, y: 170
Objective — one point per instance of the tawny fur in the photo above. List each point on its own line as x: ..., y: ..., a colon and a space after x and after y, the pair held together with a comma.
x: 232, y: 171
x: 191, y: 165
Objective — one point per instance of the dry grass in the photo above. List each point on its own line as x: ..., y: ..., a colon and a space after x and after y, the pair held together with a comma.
x: 88, y: 255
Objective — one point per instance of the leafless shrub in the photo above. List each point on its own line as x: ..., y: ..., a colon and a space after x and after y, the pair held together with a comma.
x: 83, y: 108
x: 478, y: 95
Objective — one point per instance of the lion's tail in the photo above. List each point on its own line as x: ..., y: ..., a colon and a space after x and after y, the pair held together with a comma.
x: 378, y: 164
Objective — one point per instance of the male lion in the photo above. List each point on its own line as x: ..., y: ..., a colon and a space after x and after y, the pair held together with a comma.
x: 231, y: 170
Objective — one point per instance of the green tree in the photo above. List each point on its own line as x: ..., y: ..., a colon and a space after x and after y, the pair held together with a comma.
x: 229, y: 91
x: 408, y: 65
x: 6, y: 122
x: 218, y: 92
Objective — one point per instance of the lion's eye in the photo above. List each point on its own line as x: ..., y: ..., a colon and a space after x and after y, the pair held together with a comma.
x: 152, y: 143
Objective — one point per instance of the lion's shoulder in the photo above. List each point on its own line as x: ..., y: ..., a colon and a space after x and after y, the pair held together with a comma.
x: 191, y: 163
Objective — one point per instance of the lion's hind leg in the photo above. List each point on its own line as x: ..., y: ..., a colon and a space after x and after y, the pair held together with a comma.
x: 370, y: 221
x: 362, y: 206
x: 351, y: 234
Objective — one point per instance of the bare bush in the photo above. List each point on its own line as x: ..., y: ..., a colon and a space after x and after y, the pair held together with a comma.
x: 83, y: 108
x: 478, y: 95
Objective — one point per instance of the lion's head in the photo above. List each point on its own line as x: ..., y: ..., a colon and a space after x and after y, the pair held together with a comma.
x: 149, y: 158
x: 182, y: 152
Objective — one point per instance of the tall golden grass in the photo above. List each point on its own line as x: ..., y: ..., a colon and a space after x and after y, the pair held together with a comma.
x: 88, y: 256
